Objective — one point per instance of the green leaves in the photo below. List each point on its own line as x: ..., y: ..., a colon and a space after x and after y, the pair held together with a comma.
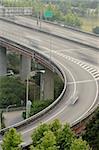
x: 92, y: 131
x: 79, y: 144
x: 51, y: 136
x: 56, y: 137
x: 96, y: 30
x: 72, y: 20
x: 48, y: 141
x: 65, y: 137
x: 11, y: 140
x: 39, y: 133
x: 12, y: 91
x: 39, y: 105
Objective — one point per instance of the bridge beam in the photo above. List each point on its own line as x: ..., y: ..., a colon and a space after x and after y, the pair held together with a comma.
x: 3, y: 61
x: 25, y: 66
x: 47, y: 85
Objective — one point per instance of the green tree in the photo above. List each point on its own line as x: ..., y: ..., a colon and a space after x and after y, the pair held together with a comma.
x: 48, y: 142
x: 55, y: 127
x: 37, y: 106
x: 96, y: 30
x: 57, y: 15
x: 72, y: 20
x: 92, y: 131
x: 12, y: 91
x: 56, y: 137
x: 11, y: 140
x: 39, y: 133
x: 79, y: 144
x: 65, y: 138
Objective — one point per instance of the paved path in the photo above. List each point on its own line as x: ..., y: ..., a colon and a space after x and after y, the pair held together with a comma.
x: 12, y: 117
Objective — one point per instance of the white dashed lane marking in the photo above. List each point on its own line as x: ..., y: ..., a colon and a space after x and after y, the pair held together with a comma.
x: 85, y: 66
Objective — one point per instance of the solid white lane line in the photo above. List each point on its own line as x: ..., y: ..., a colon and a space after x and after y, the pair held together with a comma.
x: 83, y: 81
x: 65, y: 106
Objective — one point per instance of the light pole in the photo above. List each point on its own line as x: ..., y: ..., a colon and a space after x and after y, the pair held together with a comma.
x: 28, y: 102
x: 42, y: 85
x: 27, y: 91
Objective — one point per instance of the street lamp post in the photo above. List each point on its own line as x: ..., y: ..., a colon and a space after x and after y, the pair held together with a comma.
x: 27, y: 91
x: 28, y: 102
x: 42, y: 85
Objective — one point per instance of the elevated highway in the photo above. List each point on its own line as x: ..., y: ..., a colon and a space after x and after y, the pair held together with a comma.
x: 57, y: 29
x: 78, y: 62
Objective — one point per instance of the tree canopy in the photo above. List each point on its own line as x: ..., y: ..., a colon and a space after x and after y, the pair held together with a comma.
x: 12, y: 91
x: 92, y: 131
x: 11, y: 140
x: 54, y: 136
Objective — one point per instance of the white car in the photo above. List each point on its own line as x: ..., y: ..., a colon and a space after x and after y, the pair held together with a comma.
x: 74, y: 98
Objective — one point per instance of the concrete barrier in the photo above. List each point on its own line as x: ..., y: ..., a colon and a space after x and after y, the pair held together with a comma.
x: 57, y: 69
x: 55, y: 35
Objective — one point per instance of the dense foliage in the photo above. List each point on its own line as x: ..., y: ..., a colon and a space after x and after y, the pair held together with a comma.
x: 56, y: 137
x: 53, y: 136
x: 92, y: 131
x: 11, y: 140
x: 12, y: 91
x: 96, y: 30
x: 13, y: 62
x: 37, y: 106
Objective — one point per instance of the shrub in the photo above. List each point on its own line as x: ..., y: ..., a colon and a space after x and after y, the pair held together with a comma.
x: 96, y: 30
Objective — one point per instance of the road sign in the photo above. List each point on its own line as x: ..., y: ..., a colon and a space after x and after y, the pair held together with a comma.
x: 48, y: 14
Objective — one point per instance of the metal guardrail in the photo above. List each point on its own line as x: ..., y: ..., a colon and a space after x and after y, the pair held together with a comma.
x: 71, y: 28
x: 55, y: 35
x: 56, y: 68
x: 61, y: 24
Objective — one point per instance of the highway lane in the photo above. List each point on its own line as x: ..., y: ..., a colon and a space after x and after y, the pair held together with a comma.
x: 65, y: 32
x: 64, y: 111
x: 64, y: 46
x: 52, y: 47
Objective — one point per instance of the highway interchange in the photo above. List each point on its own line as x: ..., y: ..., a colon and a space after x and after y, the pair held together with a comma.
x: 79, y: 63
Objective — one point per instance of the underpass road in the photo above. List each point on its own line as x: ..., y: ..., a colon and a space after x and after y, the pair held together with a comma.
x: 58, y: 50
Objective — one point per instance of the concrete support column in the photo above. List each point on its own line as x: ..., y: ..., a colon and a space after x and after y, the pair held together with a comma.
x: 3, y: 61
x: 47, y: 85
x: 25, y: 66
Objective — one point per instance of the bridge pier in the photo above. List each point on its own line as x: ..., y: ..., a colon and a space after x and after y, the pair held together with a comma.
x: 47, y: 85
x: 3, y: 61
x: 25, y: 66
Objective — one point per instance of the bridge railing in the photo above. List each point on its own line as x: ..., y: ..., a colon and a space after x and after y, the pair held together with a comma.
x: 78, y: 41
x: 51, y: 66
